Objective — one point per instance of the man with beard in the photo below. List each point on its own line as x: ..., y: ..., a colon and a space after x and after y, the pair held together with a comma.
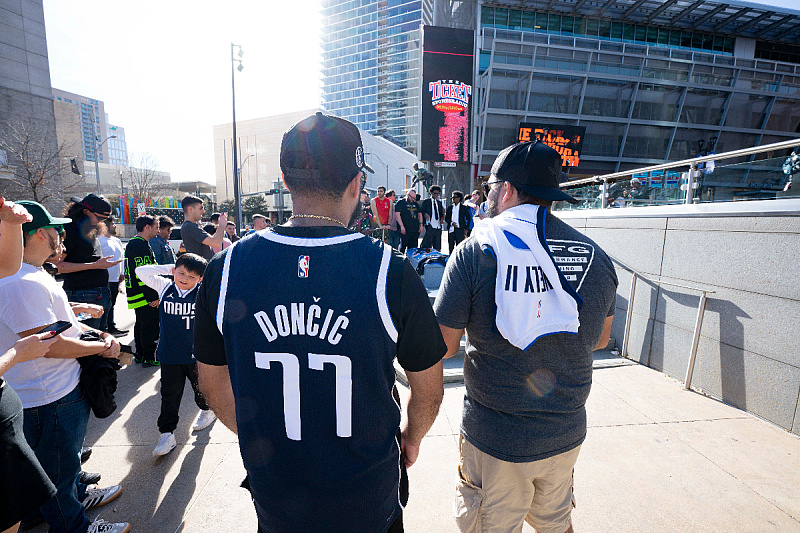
x: 409, y: 219
x: 530, y: 336
x: 56, y: 410
x: 84, y: 268
x: 300, y: 363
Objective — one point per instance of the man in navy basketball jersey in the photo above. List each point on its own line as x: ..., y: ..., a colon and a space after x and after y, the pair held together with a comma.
x: 297, y: 328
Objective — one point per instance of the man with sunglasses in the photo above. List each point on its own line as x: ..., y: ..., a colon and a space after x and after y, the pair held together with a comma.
x: 531, y: 330
x: 56, y: 409
x: 84, y: 268
x: 457, y: 219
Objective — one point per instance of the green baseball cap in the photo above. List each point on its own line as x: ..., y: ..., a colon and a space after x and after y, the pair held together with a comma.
x: 41, y: 217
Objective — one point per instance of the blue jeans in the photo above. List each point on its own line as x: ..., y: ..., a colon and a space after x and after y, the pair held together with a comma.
x: 97, y: 296
x: 394, y: 239
x: 55, y: 432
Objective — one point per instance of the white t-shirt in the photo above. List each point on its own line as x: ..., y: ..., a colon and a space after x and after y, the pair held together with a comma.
x: 29, y: 299
x: 112, y: 246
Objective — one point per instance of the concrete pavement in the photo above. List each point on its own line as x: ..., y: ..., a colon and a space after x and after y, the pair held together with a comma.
x: 657, y: 458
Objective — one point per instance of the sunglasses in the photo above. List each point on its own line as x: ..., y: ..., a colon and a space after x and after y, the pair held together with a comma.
x: 487, y: 187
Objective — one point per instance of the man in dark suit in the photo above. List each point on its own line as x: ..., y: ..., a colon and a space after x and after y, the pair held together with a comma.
x: 433, y: 210
x: 457, y: 219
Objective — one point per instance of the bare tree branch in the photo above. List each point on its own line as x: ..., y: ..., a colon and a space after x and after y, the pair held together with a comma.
x: 35, y: 157
x: 144, y: 178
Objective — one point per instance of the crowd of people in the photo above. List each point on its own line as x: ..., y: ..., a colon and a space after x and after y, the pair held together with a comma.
x: 401, y: 223
x: 300, y: 365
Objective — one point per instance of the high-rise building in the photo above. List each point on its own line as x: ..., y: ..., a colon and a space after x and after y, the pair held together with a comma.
x: 117, y: 146
x: 371, y: 65
x: 86, y: 118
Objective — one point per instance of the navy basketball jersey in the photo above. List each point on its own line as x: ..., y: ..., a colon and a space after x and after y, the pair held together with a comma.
x: 310, y: 343
x: 176, y: 315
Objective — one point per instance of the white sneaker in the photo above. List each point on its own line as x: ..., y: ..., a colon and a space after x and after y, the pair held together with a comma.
x: 101, y: 526
x: 165, y: 444
x: 97, y: 497
x: 205, y: 419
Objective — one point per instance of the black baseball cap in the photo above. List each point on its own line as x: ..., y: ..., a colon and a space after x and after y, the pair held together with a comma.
x: 534, y: 168
x: 322, y: 146
x: 96, y: 204
x: 41, y: 217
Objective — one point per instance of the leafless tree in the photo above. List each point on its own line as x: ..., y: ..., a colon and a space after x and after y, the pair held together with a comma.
x: 37, y: 160
x: 144, y: 178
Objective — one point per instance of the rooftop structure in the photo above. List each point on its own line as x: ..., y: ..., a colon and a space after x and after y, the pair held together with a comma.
x: 650, y: 80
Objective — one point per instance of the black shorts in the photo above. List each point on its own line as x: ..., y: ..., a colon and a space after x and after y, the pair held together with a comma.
x: 24, y: 486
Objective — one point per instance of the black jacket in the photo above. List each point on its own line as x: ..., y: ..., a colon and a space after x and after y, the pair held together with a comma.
x: 464, y: 217
x: 99, y: 379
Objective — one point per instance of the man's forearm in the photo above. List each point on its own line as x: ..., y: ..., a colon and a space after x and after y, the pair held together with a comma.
x: 69, y: 348
x: 215, y: 384
x: 424, y: 400
x: 11, y: 244
x: 67, y: 268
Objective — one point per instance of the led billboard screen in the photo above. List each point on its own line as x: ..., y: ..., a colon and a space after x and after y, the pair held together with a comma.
x: 446, y: 94
x: 568, y: 140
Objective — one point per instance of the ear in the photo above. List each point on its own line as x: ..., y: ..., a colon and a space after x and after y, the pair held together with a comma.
x: 354, y: 188
x: 509, y: 192
x: 172, y: 271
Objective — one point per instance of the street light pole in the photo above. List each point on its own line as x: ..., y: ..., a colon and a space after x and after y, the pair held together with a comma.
x: 237, y: 193
x: 97, y: 153
x: 382, y: 163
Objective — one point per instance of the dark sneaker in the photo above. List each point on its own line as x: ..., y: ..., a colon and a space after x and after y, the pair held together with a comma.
x: 89, y: 478
x: 86, y: 451
x: 33, y: 521
x: 118, y: 332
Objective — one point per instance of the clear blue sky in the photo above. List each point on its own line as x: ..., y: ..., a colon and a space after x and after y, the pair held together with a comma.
x: 163, y: 68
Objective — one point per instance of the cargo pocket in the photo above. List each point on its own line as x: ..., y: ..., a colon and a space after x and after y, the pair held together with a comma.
x: 469, y: 499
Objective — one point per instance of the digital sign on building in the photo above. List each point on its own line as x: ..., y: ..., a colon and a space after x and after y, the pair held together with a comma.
x: 446, y: 94
x: 567, y: 140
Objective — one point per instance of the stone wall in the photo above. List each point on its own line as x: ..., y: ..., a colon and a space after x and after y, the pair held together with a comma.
x: 749, y: 350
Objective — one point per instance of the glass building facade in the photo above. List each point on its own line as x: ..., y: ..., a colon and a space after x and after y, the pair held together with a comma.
x: 371, y: 65
x: 646, y: 92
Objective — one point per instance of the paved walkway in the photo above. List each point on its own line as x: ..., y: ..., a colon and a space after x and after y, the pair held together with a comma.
x: 657, y: 458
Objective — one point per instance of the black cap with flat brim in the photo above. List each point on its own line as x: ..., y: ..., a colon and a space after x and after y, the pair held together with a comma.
x: 323, y: 146
x: 534, y: 168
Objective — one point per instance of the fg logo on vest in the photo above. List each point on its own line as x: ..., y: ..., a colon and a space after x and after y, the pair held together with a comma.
x: 302, y: 266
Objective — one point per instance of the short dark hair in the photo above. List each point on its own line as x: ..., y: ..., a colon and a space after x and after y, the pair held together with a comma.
x: 189, y: 201
x: 258, y: 215
x: 364, y: 191
x: 381, y: 187
x: 215, y: 218
x: 526, y: 198
x: 143, y: 221
x: 231, y: 224
x: 193, y: 263
x: 434, y: 188
x: 165, y: 222
x: 458, y: 194
x: 391, y: 192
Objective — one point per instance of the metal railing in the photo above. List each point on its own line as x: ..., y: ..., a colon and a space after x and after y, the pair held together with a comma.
x: 701, y: 309
x: 691, y: 176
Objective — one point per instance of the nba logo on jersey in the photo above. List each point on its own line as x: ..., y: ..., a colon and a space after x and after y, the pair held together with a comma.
x: 302, y: 266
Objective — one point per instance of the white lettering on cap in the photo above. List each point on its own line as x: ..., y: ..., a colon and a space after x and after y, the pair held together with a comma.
x: 359, y: 157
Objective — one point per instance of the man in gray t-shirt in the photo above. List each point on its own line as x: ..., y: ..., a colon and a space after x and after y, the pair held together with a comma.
x: 195, y: 239
x: 524, y: 413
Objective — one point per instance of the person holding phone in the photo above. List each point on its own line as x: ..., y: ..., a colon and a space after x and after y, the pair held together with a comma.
x: 55, y: 409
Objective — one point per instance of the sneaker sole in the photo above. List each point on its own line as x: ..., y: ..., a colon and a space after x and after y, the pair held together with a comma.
x: 199, y: 428
x: 102, y: 502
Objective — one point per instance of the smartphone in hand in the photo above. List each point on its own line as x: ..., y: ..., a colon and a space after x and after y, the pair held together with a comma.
x: 59, y: 327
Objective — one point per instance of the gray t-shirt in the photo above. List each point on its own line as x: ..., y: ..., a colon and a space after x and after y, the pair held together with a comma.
x: 523, y: 406
x: 193, y: 236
